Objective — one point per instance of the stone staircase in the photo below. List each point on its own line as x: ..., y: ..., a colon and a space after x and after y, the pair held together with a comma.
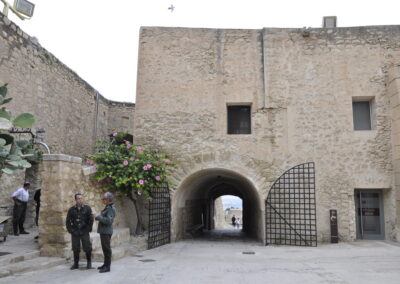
x: 122, y: 243
x: 24, y: 262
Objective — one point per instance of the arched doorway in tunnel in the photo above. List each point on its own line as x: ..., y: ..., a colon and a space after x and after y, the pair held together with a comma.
x: 228, y: 212
x: 193, y: 203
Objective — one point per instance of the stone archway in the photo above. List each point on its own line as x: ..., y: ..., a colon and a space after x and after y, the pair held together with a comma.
x: 192, y: 202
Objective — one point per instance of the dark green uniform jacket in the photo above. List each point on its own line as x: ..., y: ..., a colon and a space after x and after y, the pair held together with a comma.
x: 79, y: 222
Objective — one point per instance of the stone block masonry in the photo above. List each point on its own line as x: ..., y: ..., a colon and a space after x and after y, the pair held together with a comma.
x: 73, y: 113
x: 63, y: 177
x: 300, y: 90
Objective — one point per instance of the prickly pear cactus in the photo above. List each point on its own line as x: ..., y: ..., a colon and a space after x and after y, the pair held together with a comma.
x: 14, y: 154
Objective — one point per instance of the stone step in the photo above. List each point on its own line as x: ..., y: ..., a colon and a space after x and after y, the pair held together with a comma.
x: 137, y: 244
x: 18, y: 257
x: 120, y: 236
x: 34, y: 264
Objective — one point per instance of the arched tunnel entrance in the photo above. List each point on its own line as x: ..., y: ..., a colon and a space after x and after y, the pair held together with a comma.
x: 193, y: 202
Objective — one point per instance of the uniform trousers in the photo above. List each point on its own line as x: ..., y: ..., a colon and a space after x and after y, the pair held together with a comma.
x: 76, y: 243
x: 106, y: 247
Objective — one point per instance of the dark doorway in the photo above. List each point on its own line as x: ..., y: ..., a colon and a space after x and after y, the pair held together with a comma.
x: 194, y: 205
x: 369, y: 214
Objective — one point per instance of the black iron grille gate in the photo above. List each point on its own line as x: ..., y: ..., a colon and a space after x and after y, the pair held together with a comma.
x: 159, y: 217
x: 290, y: 208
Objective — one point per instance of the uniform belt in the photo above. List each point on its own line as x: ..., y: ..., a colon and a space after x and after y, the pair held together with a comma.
x: 22, y: 201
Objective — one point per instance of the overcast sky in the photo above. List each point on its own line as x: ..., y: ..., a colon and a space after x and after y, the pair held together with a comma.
x: 98, y: 39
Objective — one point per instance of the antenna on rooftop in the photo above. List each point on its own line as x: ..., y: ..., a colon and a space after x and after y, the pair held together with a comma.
x: 22, y: 8
x: 172, y: 8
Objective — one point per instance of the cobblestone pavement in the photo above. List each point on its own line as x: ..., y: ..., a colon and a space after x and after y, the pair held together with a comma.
x: 227, y: 260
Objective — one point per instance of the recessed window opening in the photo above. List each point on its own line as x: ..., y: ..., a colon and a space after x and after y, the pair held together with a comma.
x: 239, y: 119
x: 363, y: 114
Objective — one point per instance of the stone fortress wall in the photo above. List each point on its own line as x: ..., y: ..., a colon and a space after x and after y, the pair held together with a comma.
x: 300, y: 87
x: 71, y: 111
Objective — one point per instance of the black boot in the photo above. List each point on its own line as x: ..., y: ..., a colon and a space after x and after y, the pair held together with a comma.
x: 104, y: 269
x: 100, y: 267
x: 89, y: 260
x: 76, y: 261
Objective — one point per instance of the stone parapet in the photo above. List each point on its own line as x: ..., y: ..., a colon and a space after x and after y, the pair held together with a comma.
x: 62, y: 177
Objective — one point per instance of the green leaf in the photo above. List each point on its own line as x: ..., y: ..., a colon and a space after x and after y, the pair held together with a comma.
x: 13, y: 163
x: 14, y: 157
x: 5, y: 101
x: 9, y: 171
x: 3, y: 90
x: 5, y: 114
x: 22, y: 143
x: 9, y: 139
x: 19, y: 164
x: 15, y: 150
x: 5, y: 124
x: 27, y: 156
x: 25, y: 164
x: 24, y: 120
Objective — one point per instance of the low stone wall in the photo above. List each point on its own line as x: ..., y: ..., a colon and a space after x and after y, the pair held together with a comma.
x: 62, y: 177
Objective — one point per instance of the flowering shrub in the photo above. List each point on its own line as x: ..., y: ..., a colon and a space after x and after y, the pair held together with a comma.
x: 125, y: 168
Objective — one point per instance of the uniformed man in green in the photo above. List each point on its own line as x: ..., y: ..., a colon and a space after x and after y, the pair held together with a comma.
x: 79, y: 224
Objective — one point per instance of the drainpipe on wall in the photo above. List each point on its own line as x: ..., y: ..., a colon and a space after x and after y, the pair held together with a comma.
x: 264, y: 73
x: 96, y: 114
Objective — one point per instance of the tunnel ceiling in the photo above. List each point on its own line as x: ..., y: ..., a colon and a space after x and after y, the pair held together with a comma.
x: 213, y: 183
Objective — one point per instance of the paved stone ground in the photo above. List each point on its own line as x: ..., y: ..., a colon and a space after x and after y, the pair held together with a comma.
x: 21, y: 243
x: 220, y: 259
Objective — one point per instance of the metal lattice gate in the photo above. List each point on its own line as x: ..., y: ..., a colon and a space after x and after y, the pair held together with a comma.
x: 159, y: 217
x: 290, y: 208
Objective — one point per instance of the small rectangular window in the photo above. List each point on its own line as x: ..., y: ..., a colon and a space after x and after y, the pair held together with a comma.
x: 362, y: 115
x: 239, y: 120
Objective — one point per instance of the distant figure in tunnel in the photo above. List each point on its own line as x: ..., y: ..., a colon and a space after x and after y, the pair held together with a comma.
x: 237, y: 223
x: 233, y: 221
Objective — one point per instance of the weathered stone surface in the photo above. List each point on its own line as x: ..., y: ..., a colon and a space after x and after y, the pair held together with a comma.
x: 73, y: 113
x: 300, y: 90
x: 62, y: 178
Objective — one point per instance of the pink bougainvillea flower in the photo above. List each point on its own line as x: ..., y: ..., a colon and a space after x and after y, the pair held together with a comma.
x: 141, y: 181
x: 149, y: 166
x: 125, y: 163
x: 158, y: 178
x: 128, y: 146
x: 167, y: 161
x: 145, y: 168
x: 114, y: 134
x: 139, y: 149
x: 89, y: 161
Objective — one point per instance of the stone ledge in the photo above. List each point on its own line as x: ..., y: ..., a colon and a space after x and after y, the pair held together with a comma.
x: 87, y: 170
x: 62, y: 157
